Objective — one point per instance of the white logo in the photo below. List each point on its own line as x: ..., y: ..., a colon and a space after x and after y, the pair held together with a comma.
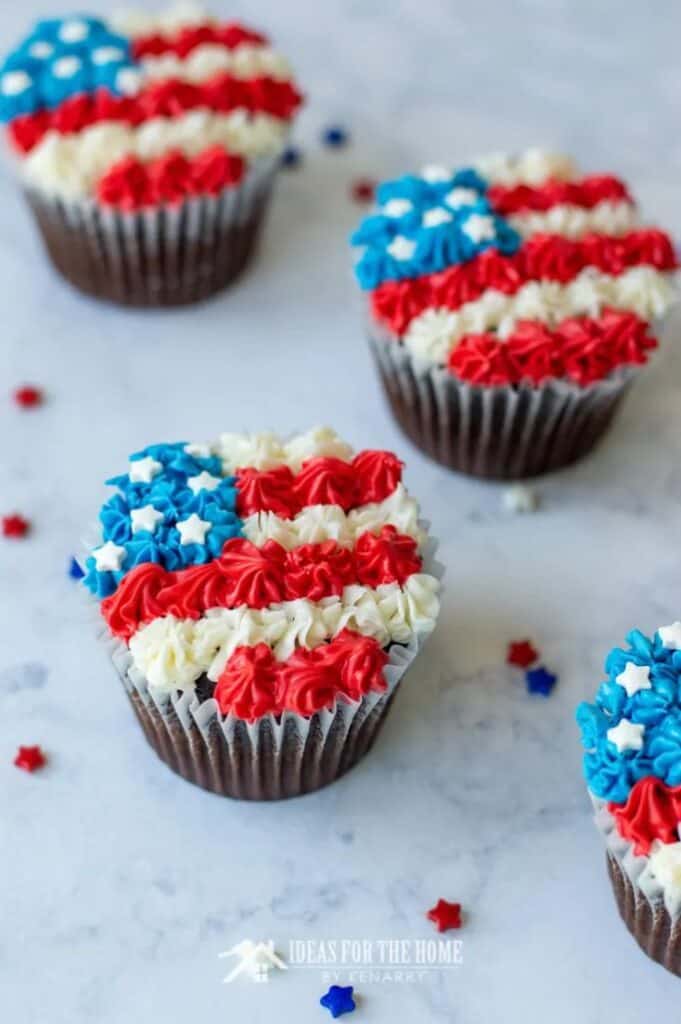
x: 256, y: 960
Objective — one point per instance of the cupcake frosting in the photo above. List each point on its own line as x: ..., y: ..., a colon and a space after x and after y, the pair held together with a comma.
x: 141, y: 110
x: 276, y: 572
x: 632, y: 764
x: 515, y: 270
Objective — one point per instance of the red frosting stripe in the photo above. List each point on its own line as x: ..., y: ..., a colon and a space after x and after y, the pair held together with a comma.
x: 133, y: 185
x: 586, y: 194
x: 541, y: 258
x: 254, y: 683
x: 258, y: 577
x: 189, y: 38
x: 170, y: 98
x: 653, y: 811
x: 581, y: 349
x: 372, y: 476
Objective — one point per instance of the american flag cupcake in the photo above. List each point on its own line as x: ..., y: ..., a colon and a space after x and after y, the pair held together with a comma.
x: 263, y: 600
x: 511, y: 303
x: 146, y: 146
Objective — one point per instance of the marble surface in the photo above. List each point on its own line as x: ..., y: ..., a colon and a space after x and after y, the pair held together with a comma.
x: 121, y: 883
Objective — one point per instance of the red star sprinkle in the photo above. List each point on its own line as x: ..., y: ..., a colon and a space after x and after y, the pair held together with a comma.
x: 30, y: 759
x: 521, y: 654
x: 445, y: 915
x: 28, y: 397
x: 15, y: 526
x: 363, y: 190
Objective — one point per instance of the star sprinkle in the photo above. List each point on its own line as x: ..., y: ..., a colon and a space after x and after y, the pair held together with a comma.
x: 291, y: 158
x: 671, y: 636
x: 109, y: 557
x: 145, y: 518
x: 540, y: 680
x: 203, y: 482
x: 143, y: 471
x: 445, y: 915
x: 479, y: 228
x: 520, y: 499
x: 627, y: 735
x: 634, y: 678
x: 521, y: 653
x: 30, y: 759
x: 75, y: 571
x: 397, y: 208
x: 198, y: 450
x: 28, y: 397
x: 435, y: 174
x: 338, y: 1000
x: 15, y: 527
x: 193, y: 530
x: 335, y: 136
x: 363, y: 190
x: 459, y: 197
x: 435, y: 216
x: 402, y: 248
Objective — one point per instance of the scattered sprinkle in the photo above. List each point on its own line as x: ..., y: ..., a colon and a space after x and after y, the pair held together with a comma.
x: 521, y: 653
x: 338, y: 1000
x: 335, y: 136
x: 30, y: 759
x: 75, y: 571
x: 520, y: 499
x: 15, y: 526
x: 363, y: 190
x: 291, y: 157
x: 445, y: 915
x: 540, y: 680
x: 28, y: 397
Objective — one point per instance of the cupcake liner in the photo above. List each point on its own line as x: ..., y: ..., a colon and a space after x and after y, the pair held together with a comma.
x: 272, y: 758
x: 655, y: 930
x: 165, y: 256
x: 502, y: 433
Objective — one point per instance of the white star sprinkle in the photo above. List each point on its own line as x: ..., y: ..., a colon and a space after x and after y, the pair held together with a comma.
x: 402, y: 248
x: 66, y: 67
x: 107, y: 55
x: 198, y: 450
x: 434, y: 217
x: 108, y: 558
x: 74, y: 31
x: 435, y: 173
x: 671, y: 636
x: 634, y: 678
x: 459, y: 197
x: 627, y: 735
x: 15, y: 82
x: 193, y: 530
x: 397, y: 208
x: 204, y: 482
x: 129, y: 81
x: 146, y: 518
x: 479, y: 228
x: 143, y: 471
x: 41, y: 50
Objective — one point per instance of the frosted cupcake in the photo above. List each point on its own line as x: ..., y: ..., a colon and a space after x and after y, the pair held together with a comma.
x: 264, y: 600
x: 632, y: 737
x: 511, y: 304
x: 147, y: 147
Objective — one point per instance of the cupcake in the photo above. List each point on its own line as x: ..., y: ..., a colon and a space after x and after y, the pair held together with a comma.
x: 263, y: 600
x: 632, y: 737
x: 511, y: 304
x: 147, y: 147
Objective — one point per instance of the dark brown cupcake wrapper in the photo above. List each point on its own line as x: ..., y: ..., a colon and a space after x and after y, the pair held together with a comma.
x: 649, y: 921
x: 165, y: 256
x: 502, y: 433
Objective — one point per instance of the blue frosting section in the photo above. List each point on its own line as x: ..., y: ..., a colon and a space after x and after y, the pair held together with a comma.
x: 59, y: 59
x: 435, y: 219
x: 169, y: 493
x: 611, y: 774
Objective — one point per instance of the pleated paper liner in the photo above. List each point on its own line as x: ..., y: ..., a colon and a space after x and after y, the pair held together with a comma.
x: 502, y: 433
x: 648, y: 920
x: 165, y: 256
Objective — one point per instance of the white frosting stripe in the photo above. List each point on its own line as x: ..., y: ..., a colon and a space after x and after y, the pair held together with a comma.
x: 606, y: 217
x: 245, y: 61
x: 181, y: 15
x: 641, y: 290
x: 267, y: 451
x: 532, y: 167
x: 172, y: 653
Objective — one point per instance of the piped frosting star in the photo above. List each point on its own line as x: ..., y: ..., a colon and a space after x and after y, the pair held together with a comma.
x: 445, y: 915
x: 634, y: 678
x: 193, y: 530
x: 627, y: 735
x: 338, y: 1000
x: 143, y: 471
x: 145, y: 518
x: 671, y: 636
x: 109, y: 557
x: 203, y: 482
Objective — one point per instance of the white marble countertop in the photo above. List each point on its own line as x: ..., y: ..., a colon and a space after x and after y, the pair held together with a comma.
x: 122, y: 883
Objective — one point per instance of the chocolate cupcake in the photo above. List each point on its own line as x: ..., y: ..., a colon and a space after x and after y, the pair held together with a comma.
x: 147, y: 148
x: 510, y: 307
x: 263, y: 600
x: 632, y: 737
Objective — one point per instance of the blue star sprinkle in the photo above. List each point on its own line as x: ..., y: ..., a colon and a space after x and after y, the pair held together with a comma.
x: 338, y: 1000
x: 75, y: 571
x: 291, y: 158
x: 540, y: 680
x: 335, y: 136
